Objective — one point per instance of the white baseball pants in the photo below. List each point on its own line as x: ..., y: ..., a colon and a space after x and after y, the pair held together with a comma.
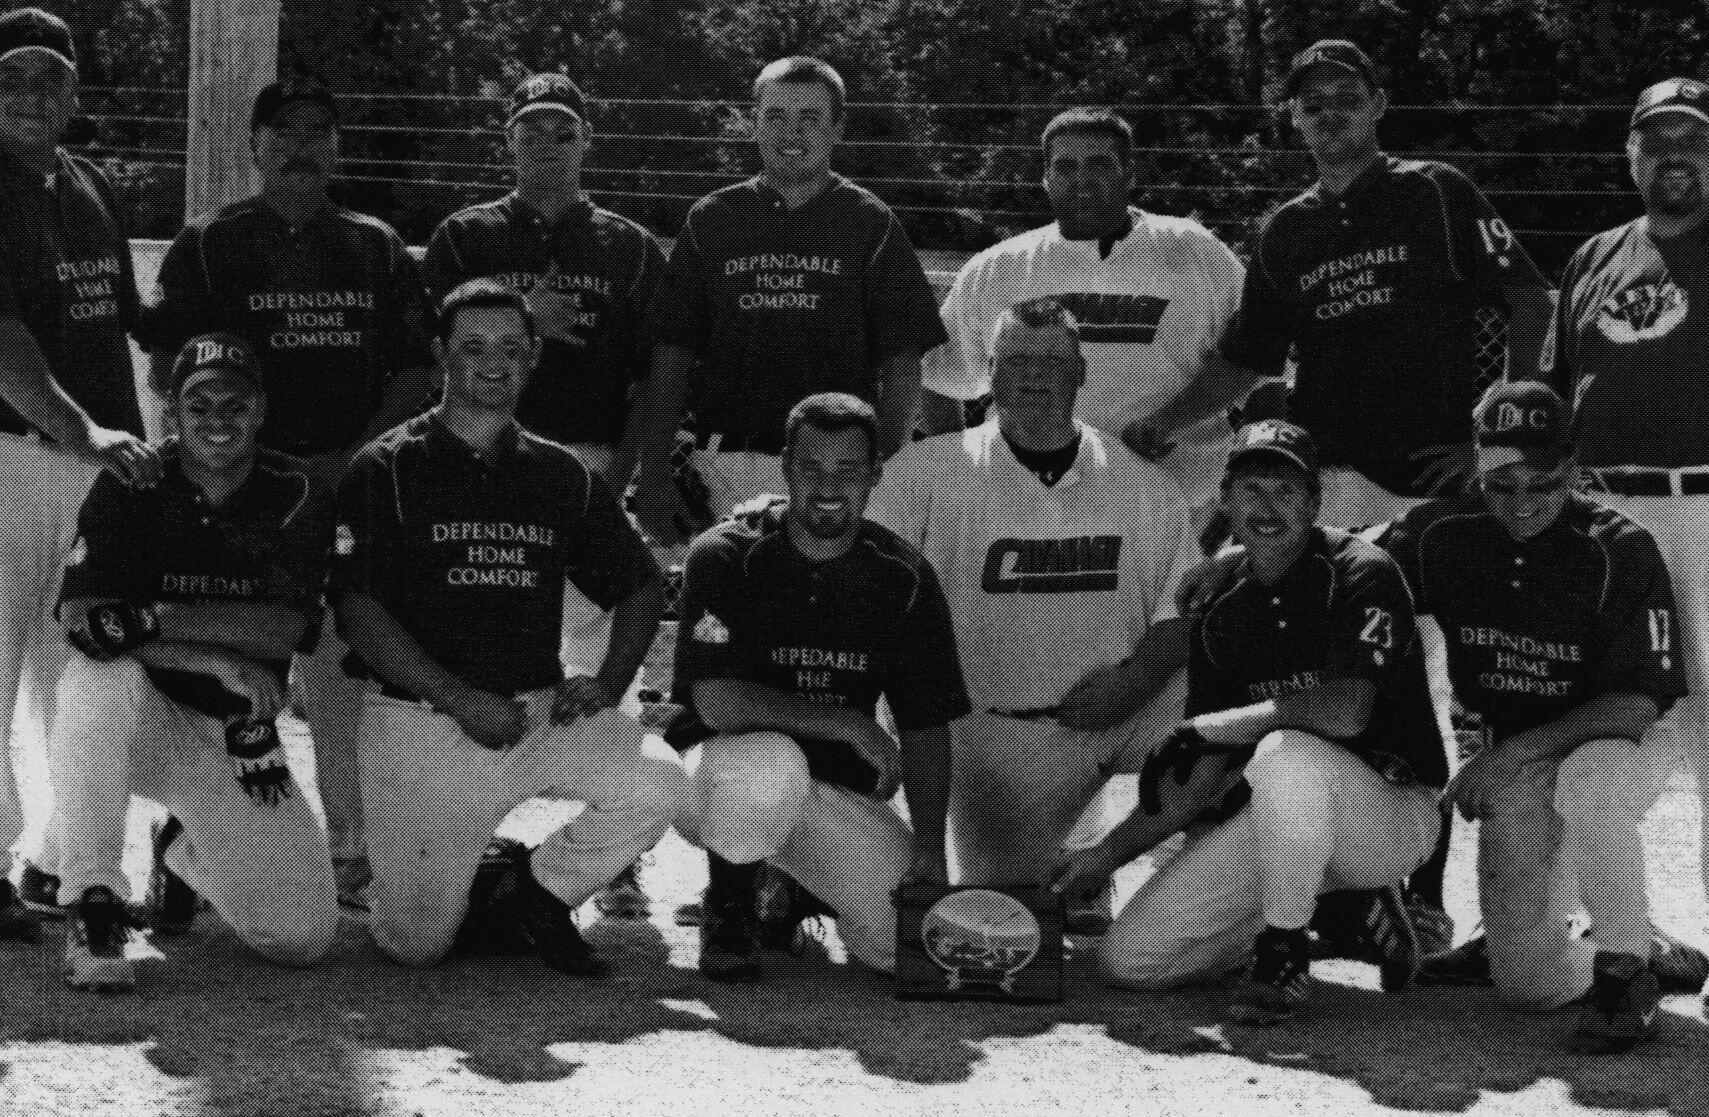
x: 751, y: 799
x: 1320, y: 819
x: 266, y: 870
x: 432, y: 798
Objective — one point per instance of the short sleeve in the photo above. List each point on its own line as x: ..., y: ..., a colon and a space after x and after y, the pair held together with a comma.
x: 1644, y: 654
x: 1261, y: 332
x: 442, y: 268
x: 608, y: 561
x: 715, y: 634
x: 649, y: 274
x: 1187, y: 555
x: 1224, y: 278
x: 901, y: 311
x: 923, y: 683
x: 102, y: 562
x: 408, y: 320
x: 368, y: 545
x: 297, y: 571
x: 679, y: 312
x: 1487, y: 252
x: 1371, y: 621
x: 960, y: 369
x: 1559, y: 360
x: 181, y: 294
x: 1399, y: 538
x: 902, y: 500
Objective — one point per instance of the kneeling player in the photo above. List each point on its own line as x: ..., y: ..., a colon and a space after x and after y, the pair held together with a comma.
x: 457, y: 532
x: 793, y: 625
x: 187, y: 600
x: 1306, y: 678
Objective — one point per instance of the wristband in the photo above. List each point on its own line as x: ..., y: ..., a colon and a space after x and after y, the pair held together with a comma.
x: 249, y: 739
x: 119, y: 627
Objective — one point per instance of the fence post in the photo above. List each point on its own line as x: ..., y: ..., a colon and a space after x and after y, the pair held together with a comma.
x: 234, y: 51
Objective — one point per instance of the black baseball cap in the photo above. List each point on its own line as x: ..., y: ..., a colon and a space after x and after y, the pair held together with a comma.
x: 24, y: 29
x: 224, y: 355
x: 1274, y: 438
x: 1677, y: 96
x: 546, y: 91
x: 1329, y: 52
x: 272, y: 101
x: 1521, y: 421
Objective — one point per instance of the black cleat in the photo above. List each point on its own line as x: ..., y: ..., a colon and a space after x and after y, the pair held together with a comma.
x: 549, y: 926
x: 1278, y: 982
x: 39, y: 891
x: 1621, y: 1008
x: 96, y: 930
x: 729, y: 945
x: 172, y: 903
x: 17, y: 922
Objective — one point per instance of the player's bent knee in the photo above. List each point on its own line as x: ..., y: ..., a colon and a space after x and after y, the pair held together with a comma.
x: 408, y: 947
x: 300, y: 943
x: 91, y: 682
x: 747, y: 795
x: 1287, y: 756
x: 1595, y: 790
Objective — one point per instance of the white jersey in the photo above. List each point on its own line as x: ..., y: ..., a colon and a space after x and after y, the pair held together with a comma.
x: 1149, y: 312
x: 1044, y: 583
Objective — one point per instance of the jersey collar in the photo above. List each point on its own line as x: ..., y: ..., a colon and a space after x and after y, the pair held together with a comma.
x: 443, y: 440
x: 576, y: 214
x: 771, y: 201
x: 1007, y: 460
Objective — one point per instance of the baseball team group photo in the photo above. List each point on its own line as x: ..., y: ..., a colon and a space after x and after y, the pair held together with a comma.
x: 775, y: 662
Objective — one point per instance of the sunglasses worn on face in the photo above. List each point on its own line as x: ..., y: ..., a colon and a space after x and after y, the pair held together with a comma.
x: 1536, y: 488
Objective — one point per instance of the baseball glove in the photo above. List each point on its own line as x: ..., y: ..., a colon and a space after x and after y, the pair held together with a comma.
x: 493, y: 921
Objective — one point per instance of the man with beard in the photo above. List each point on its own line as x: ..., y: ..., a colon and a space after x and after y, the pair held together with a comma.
x: 1628, y: 346
x: 68, y: 403
x: 794, y: 622
x: 793, y: 282
x: 334, y: 307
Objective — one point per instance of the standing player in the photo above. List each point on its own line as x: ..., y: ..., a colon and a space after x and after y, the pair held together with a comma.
x: 186, y: 601
x: 793, y: 282
x: 793, y: 625
x: 457, y: 531
x: 334, y: 307
x: 1560, y: 621
x: 68, y: 405
x: 588, y: 275
x: 1058, y: 548
x: 1152, y: 294
x: 1305, y: 675
x: 1373, y: 279
x: 1629, y: 346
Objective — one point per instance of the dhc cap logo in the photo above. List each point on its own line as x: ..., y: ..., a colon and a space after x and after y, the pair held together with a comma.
x: 1510, y: 417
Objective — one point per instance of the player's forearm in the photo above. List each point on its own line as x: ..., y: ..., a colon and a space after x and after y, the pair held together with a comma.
x: 1337, y: 710
x: 1139, y: 833
x: 1529, y: 311
x: 1220, y: 382
x: 393, y: 654
x: 29, y: 386
x: 262, y: 632
x: 658, y: 411
x: 899, y: 381
x: 634, y: 623
x: 925, y: 783
x: 1622, y: 715
x: 738, y: 706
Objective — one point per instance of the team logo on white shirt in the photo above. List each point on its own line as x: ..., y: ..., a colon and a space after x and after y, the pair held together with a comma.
x: 1115, y: 318
x: 711, y: 630
x: 1643, y: 313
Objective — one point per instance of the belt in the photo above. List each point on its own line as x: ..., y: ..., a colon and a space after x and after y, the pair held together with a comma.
x: 717, y: 442
x: 1039, y: 713
x: 1650, y: 480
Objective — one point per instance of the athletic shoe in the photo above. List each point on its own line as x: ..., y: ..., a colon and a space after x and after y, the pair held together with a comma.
x: 96, y: 929
x: 1368, y: 925
x: 1466, y: 964
x: 1433, y: 927
x: 17, y: 922
x: 549, y: 926
x: 1090, y: 913
x: 1620, y: 1009
x: 1679, y: 968
x: 783, y: 909
x: 1278, y: 982
x: 624, y: 898
x: 39, y: 891
x: 172, y: 903
x: 729, y: 945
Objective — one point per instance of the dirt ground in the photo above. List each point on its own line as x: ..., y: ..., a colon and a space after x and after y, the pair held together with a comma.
x: 216, y: 1031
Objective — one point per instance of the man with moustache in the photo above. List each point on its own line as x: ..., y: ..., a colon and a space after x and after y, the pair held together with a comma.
x: 1058, y: 548
x: 1628, y: 347
x: 457, y: 531
x: 793, y: 282
x: 794, y: 622
x: 185, y: 603
x: 68, y: 404
x: 335, y: 309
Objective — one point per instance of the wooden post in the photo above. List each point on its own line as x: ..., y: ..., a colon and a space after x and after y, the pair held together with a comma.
x: 234, y: 52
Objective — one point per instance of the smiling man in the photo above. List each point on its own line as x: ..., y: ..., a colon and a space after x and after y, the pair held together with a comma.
x: 1560, y: 622
x: 334, y: 307
x: 185, y: 602
x: 1629, y: 346
x: 794, y: 282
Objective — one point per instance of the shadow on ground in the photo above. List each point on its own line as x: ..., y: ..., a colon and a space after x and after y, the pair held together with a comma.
x: 244, y: 1038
